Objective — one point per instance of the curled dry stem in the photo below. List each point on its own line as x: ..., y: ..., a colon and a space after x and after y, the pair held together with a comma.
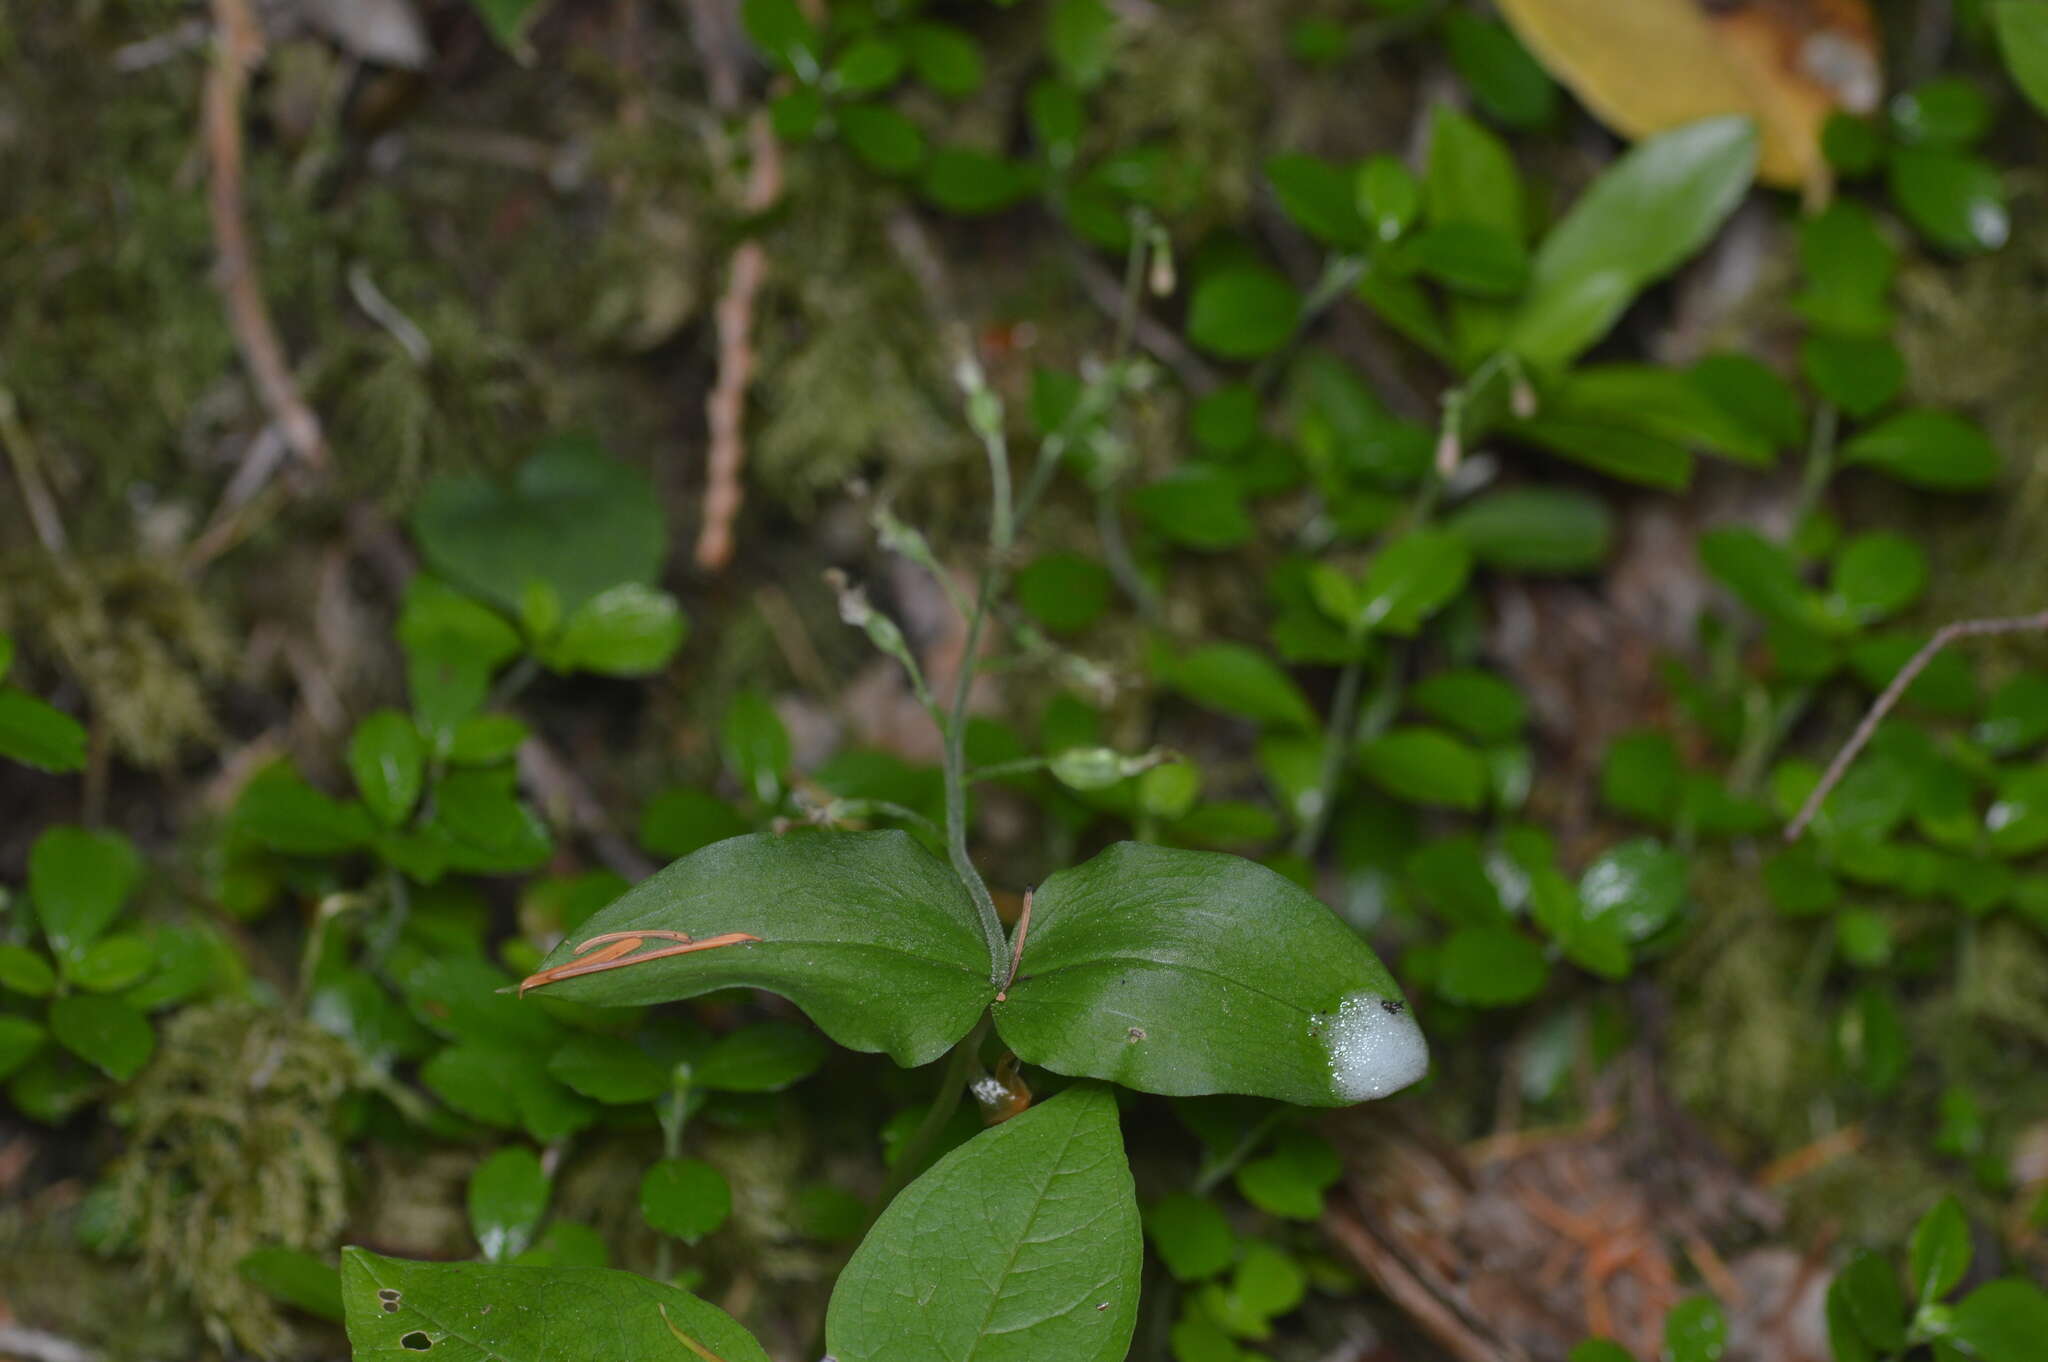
x: 614, y: 950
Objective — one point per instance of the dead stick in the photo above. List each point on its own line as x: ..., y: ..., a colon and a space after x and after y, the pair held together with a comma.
x: 239, y: 46
x: 725, y: 409
x: 1889, y: 698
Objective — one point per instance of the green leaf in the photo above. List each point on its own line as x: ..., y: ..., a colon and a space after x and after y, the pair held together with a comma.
x: 113, y: 963
x: 573, y: 519
x: 1450, y: 875
x: 1243, y: 313
x: 607, y: 1069
x: 1618, y: 451
x: 1388, y: 196
x: 1065, y: 592
x: 765, y: 1057
x: 1471, y: 259
x: 2023, y: 40
x: 1759, y: 571
x: 1753, y: 394
x: 1237, y: 680
x: 508, y: 1194
x: 2016, y: 716
x: 1870, y: 1289
x: 1191, y: 972
x: 755, y: 745
x: 1860, y: 374
x: 1941, y: 1250
x: 1549, y: 530
x: 104, y: 1032
x: 1197, y: 506
x: 1080, y: 38
x: 944, y: 58
x: 685, y: 1198
x: 1640, y: 777
x: 1425, y: 766
x: 480, y: 1312
x: 1599, y: 1350
x: 1926, y: 448
x: 1411, y: 579
x: 1642, y: 218
x: 1877, y: 575
x: 779, y: 28
x: 296, y: 1277
x: 1956, y: 201
x: 1662, y: 402
x: 25, y: 972
x: 388, y: 761
x: 1849, y: 267
x: 20, y: 1039
x: 867, y: 64
x: 1319, y: 196
x: 2001, y: 1321
x: 866, y: 932
x: 1291, y: 1180
x: 679, y: 821
x: 508, y: 20
x: 884, y: 139
x: 39, y: 735
x: 483, y: 739
x: 1471, y: 177
x: 79, y: 881
x: 1190, y: 1235
x: 1695, y: 1331
x: 1021, y: 1245
x: 484, y: 827
x: 1506, y: 81
x: 1945, y: 112
x: 1490, y: 967
x: 1482, y: 704
x: 1639, y: 885
x: 627, y: 630
x: 970, y: 183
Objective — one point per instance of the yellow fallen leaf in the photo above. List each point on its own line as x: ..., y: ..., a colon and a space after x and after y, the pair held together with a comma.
x: 1643, y: 66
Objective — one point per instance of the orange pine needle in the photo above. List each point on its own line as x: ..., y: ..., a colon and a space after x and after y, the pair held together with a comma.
x: 618, y: 954
x: 692, y: 1344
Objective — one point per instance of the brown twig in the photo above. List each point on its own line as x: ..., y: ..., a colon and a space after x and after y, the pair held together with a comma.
x: 1889, y: 698
x: 725, y: 409
x: 238, y: 48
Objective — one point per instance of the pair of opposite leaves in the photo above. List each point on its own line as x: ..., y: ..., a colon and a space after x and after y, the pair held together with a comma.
x: 1643, y: 66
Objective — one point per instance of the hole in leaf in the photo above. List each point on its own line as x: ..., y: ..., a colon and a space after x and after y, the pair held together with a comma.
x: 390, y: 1307
x: 417, y: 1341
x: 389, y: 1296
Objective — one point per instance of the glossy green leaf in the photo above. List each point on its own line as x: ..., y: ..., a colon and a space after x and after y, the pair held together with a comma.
x: 508, y: 20
x: 79, y: 880
x: 20, y: 1039
x: 1870, y: 1289
x: 1753, y: 394
x: 1941, y: 1250
x: 1197, y: 506
x: 1388, y: 196
x: 2016, y: 716
x: 1653, y: 209
x: 104, y: 1032
x: 2022, y: 27
x: 882, y: 138
x: 1243, y: 313
x: 1080, y: 38
x: 1548, y: 530
x: 573, y: 519
x: 1506, y: 81
x: 1411, y: 579
x: 113, y: 963
x: 1319, y: 196
x: 1237, y: 680
x: 1291, y: 1179
x: 296, y: 1277
x: 1695, y: 1331
x: 679, y: 821
x: 1926, y: 448
x: 1471, y: 258
x: 608, y: 1069
x: 1065, y: 592
x: 869, y: 63
x: 866, y: 932
x: 1640, y: 885
x: 755, y: 745
x: 1947, y: 111
x: 482, y: 826
x: 508, y: 1194
x: 1190, y: 972
x: 1661, y: 402
x: 1849, y: 268
x: 480, y: 1312
x: 1860, y: 374
x: 25, y: 972
x: 1877, y: 575
x: 1619, y: 451
x: 944, y: 58
x: 1482, y: 704
x: 1425, y: 766
x: 1956, y: 201
x: 388, y: 761
x: 1471, y: 177
x: 970, y: 183
x: 625, y: 630
x: 1759, y: 571
x: 39, y: 735
x: 685, y: 1198
x: 1022, y: 1244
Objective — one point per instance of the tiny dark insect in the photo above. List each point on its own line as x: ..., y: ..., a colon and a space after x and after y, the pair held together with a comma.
x: 1394, y: 1006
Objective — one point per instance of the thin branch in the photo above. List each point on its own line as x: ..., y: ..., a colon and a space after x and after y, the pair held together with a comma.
x: 1889, y: 698
x: 28, y: 472
x: 725, y: 409
x: 239, y: 47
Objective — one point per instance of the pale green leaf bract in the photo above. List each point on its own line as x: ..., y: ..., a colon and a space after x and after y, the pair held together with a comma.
x: 477, y: 1312
x: 865, y: 931
x: 1021, y: 1245
x: 1193, y: 972
x: 1659, y: 203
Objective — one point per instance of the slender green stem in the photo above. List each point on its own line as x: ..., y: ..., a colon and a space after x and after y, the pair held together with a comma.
x: 1336, y: 742
x: 960, y: 1062
x: 1213, y: 1172
x: 673, y: 1111
x: 514, y: 681
x: 956, y: 784
x: 1116, y: 551
x: 1820, y: 461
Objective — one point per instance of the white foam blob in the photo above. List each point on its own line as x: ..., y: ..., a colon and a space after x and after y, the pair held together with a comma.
x: 1375, y: 1048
